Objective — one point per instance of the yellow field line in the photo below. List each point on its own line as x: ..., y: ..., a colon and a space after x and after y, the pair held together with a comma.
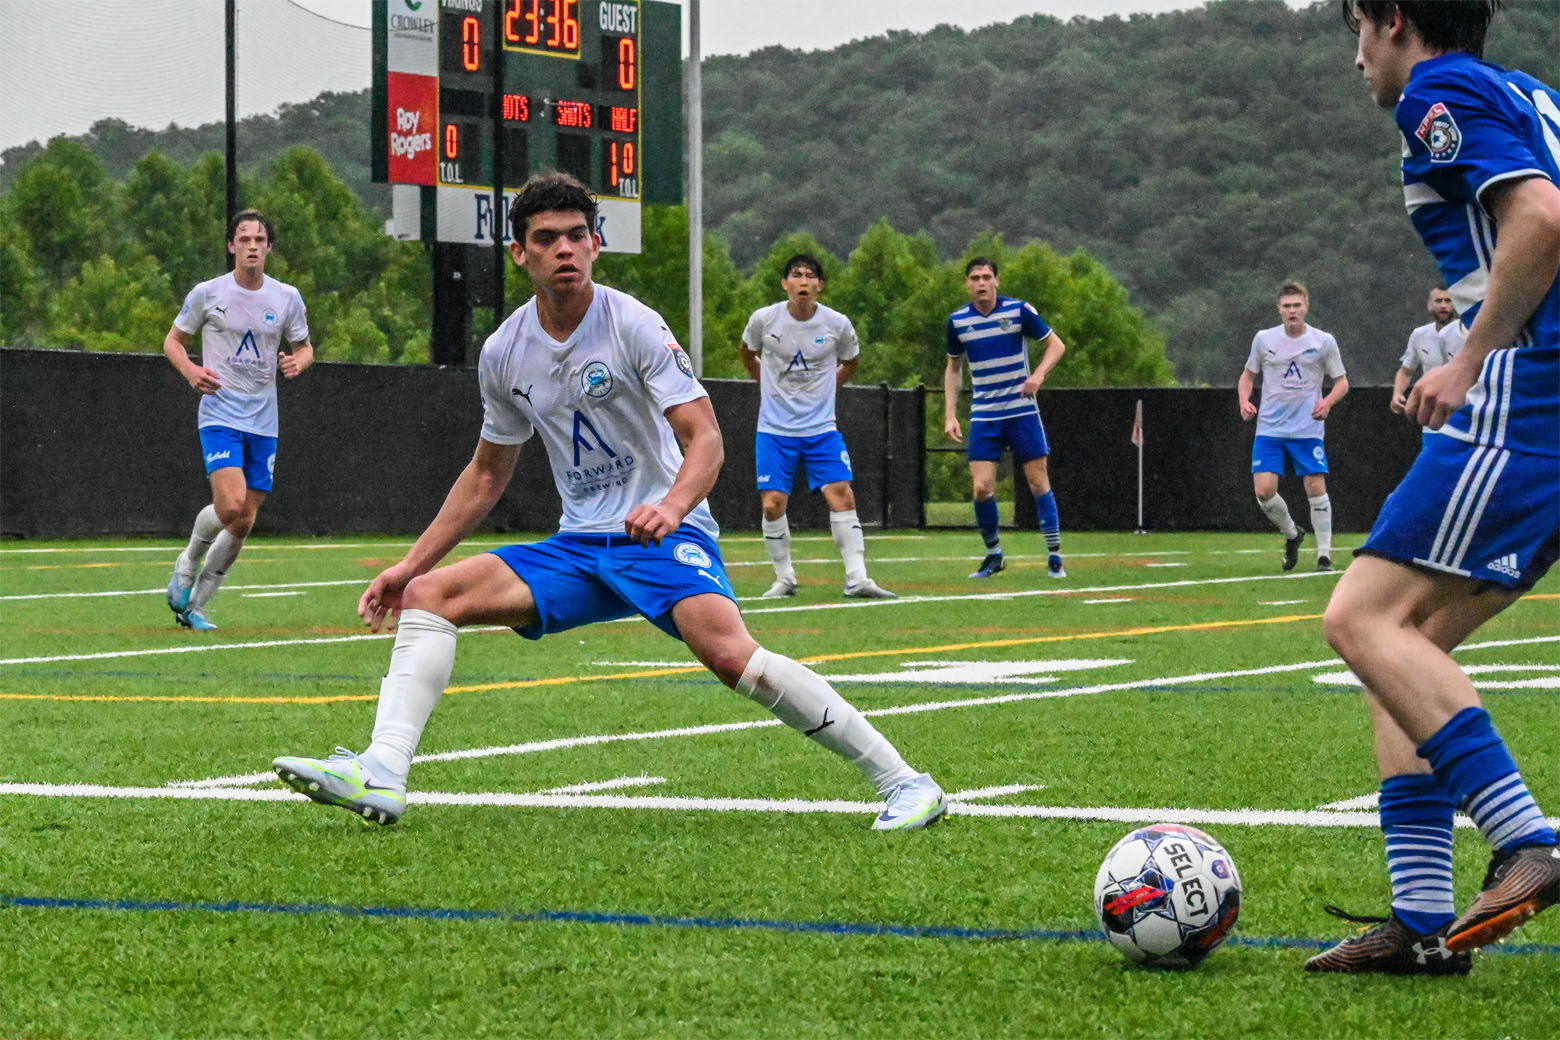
x: 688, y: 670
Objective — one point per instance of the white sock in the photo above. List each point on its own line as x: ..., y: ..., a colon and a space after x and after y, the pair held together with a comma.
x: 420, y: 667
x: 224, y: 550
x: 852, y: 544
x: 206, y: 528
x: 777, y: 539
x: 805, y: 701
x: 1321, y: 523
x: 1278, y: 512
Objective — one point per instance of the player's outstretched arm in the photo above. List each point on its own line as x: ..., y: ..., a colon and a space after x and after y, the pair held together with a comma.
x: 471, y: 498
x: 176, y: 349
x: 953, y: 379
x: 1522, y: 268
x: 698, y: 432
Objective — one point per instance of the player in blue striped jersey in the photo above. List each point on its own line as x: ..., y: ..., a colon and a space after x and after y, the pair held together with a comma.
x: 1476, y: 522
x: 991, y: 331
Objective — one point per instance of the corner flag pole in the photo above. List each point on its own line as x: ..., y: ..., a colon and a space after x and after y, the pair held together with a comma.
x: 1137, y: 439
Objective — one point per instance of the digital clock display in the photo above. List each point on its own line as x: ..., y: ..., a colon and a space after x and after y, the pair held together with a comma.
x: 550, y: 26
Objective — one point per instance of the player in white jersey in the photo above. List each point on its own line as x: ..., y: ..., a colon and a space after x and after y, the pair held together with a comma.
x: 1431, y: 345
x: 801, y: 353
x: 242, y: 318
x: 1293, y: 358
x: 599, y: 377
x: 1475, y: 523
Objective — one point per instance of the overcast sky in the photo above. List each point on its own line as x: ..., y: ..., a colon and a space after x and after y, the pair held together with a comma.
x: 64, y: 64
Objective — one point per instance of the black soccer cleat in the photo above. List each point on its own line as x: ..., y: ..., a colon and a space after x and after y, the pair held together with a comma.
x: 1323, y: 564
x: 1519, y: 883
x: 990, y: 565
x: 1292, y: 549
x: 1390, y: 948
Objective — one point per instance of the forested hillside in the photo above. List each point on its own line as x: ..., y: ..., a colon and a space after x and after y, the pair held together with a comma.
x: 1201, y: 156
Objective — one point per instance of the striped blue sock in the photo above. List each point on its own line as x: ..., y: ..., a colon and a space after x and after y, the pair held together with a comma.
x: 1416, y: 820
x: 1050, y: 521
x: 986, y: 520
x: 1472, y: 762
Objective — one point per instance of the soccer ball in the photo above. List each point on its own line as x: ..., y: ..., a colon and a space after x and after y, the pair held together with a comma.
x: 1167, y: 895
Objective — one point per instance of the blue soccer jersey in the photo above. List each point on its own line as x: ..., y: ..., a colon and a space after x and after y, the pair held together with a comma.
x: 1468, y: 125
x: 998, y: 357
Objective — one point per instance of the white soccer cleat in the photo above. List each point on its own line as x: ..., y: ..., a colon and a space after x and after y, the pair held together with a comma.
x: 342, y: 780
x: 866, y: 588
x: 918, y: 802
x: 782, y: 588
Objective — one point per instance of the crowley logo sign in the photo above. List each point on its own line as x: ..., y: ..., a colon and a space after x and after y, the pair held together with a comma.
x: 413, y: 116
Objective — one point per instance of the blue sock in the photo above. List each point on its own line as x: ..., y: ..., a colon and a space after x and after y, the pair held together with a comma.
x: 986, y: 520
x: 1416, y: 820
x: 1050, y: 521
x: 1472, y: 763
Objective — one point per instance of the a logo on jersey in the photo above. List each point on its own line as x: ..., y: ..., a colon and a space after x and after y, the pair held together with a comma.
x: 582, y: 424
x: 692, y: 555
x: 818, y: 340
x: 596, y: 381
x: 1506, y: 565
x: 681, y: 357
x: 1438, y: 130
x: 1319, y: 454
x: 1006, y: 324
x: 798, y: 360
x: 526, y: 393
x: 1293, y: 371
x: 269, y: 317
x: 248, y: 344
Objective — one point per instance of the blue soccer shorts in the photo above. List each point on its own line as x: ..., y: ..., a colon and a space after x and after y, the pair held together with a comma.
x: 1305, y: 455
x: 1025, y: 434
x: 578, y: 579
x: 775, y: 458
x: 224, y: 446
x: 1483, y: 513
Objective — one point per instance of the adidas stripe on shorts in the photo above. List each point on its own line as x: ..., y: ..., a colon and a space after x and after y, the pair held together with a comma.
x: 1485, y: 513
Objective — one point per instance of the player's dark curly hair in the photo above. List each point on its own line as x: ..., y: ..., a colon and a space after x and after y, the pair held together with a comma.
x: 805, y: 260
x: 546, y: 192
x: 1444, y: 25
x: 251, y: 214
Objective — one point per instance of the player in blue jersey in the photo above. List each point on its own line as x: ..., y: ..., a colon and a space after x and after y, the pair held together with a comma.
x: 1294, y: 359
x: 635, y: 449
x: 242, y: 318
x: 801, y: 353
x: 1431, y: 345
x: 1476, y: 522
x: 991, y: 330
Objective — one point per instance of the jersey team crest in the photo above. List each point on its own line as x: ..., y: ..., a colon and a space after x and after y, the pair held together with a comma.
x: 596, y: 380
x: 1439, y: 132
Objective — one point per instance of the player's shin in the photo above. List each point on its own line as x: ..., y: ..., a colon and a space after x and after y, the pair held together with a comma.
x: 777, y: 540
x: 804, y: 701
x: 219, y: 558
x: 420, y: 667
x: 1321, y: 523
x: 846, y: 528
x: 204, y: 531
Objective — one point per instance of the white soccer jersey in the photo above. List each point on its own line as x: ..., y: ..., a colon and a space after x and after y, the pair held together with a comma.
x: 241, y: 330
x: 797, y: 365
x: 1292, y: 368
x: 597, y: 399
x: 1429, y: 347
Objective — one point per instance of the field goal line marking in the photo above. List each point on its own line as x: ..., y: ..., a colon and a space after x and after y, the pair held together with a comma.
x: 564, y: 743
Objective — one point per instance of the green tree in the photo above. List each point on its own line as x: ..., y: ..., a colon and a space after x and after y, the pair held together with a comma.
x: 112, y: 307
x: 64, y: 207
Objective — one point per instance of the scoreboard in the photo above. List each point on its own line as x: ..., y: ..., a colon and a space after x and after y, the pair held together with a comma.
x: 477, y: 95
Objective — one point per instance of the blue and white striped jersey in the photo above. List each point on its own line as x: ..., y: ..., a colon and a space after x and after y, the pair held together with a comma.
x: 1466, y: 125
x: 998, y: 356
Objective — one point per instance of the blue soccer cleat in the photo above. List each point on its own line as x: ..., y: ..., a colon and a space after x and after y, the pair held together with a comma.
x: 343, y: 780
x: 917, y: 802
x: 992, y: 564
x: 1053, y: 566
x: 195, y: 618
x: 179, y: 592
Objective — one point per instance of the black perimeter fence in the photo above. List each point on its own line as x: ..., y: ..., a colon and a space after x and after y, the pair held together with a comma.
x: 105, y: 444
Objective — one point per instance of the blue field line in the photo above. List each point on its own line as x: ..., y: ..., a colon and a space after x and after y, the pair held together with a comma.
x: 904, y: 931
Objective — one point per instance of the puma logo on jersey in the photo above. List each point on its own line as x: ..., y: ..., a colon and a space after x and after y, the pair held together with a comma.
x: 526, y: 393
